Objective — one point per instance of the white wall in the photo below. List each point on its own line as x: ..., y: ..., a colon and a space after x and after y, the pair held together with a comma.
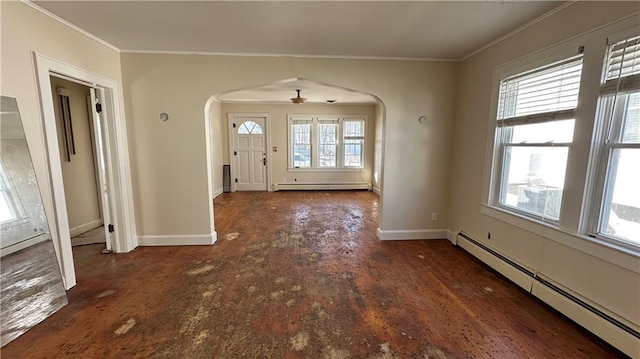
x: 80, y: 188
x: 168, y: 158
x: 278, y: 137
x: 24, y: 30
x: 606, y: 278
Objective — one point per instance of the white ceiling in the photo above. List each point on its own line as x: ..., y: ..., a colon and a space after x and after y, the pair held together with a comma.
x: 399, y: 29
x: 447, y: 30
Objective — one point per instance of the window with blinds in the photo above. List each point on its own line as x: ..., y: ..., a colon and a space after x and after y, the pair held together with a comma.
x: 535, y: 122
x: 619, y: 175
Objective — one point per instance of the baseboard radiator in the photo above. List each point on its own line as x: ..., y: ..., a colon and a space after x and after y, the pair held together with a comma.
x: 613, y: 331
x: 307, y: 186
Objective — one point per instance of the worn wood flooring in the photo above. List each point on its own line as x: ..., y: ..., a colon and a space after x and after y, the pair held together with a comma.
x: 299, y: 275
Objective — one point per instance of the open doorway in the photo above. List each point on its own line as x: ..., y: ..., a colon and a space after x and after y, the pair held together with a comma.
x: 110, y: 135
x: 339, y: 143
x: 79, y: 153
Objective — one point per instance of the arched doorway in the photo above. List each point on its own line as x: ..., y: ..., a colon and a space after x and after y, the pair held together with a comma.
x: 338, y: 111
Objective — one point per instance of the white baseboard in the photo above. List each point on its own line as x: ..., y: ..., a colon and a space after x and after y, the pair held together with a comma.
x: 571, y: 307
x: 411, y: 234
x: 614, y: 335
x: 376, y: 190
x: 308, y: 186
x: 178, y: 240
x: 218, y: 192
x: 83, y: 228
x: 452, y: 236
x: 518, y: 277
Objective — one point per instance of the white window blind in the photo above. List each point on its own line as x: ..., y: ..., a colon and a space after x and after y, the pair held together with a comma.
x: 623, y: 69
x: 544, y: 94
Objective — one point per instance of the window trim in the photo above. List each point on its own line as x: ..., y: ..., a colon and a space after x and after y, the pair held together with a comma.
x: 495, y: 173
x: 602, y: 150
x: 315, y: 153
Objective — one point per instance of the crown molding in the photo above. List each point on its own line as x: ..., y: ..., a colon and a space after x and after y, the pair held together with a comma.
x: 253, y: 54
x: 519, y: 29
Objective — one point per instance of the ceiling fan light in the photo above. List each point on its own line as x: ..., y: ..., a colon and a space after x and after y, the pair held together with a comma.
x: 298, y: 100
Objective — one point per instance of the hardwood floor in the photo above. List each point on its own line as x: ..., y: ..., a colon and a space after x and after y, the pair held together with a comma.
x: 299, y: 275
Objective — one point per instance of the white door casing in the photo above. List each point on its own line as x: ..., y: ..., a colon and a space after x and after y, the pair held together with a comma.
x: 116, y: 158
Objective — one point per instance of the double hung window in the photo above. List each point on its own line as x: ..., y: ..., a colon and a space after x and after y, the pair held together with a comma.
x: 328, y: 142
x: 301, y: 142
x: 353, y: 142
x: 323, y: 142
x: 534, y: 130
x: 619, y: 175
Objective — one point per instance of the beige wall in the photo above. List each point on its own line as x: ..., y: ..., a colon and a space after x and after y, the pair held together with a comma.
x: 601, y: 276
x: 278, y: 137
x: 80, y: 188
x: 168, y: 158
x: 24, y: 30
x: 377, y: 147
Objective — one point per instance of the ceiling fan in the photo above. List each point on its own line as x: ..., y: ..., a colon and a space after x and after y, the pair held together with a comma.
x: 298, y: 100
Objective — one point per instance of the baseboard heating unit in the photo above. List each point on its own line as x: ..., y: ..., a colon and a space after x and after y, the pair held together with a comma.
x: 613, y: 331
x: 307, y: 186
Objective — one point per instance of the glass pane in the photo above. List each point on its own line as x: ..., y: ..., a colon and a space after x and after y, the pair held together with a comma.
x: 301, y: 133
x: 301, y: 155
x: 353, y: 153
x: 631, y: 126
x: 533, y: 179
x: 250, y: 128
x: 556, y: 131
x: 327, y: 133
x: 243, y: 130
x: 327, y: 155
x: 353, y: 128
x: 621, y: 210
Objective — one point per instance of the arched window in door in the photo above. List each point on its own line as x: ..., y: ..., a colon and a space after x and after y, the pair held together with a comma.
x: 249, y: 128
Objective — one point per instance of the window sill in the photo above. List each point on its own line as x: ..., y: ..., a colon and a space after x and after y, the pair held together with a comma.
x: 348, y: 169
x: 599, y: 248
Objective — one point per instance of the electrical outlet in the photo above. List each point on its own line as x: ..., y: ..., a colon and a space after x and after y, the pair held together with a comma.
x: 434, y: 216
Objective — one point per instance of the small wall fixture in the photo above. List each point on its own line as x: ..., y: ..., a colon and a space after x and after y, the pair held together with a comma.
x: 164, y: 116
x: 422, y: 120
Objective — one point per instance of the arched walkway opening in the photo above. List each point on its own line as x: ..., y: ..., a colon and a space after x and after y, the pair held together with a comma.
x: 334, y: 140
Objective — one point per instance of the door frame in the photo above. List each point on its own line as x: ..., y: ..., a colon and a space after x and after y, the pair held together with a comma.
x: 116, y: 155
x: 240, y: 116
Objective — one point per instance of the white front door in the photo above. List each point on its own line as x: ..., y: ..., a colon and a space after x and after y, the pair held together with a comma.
x: 249, y: 154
